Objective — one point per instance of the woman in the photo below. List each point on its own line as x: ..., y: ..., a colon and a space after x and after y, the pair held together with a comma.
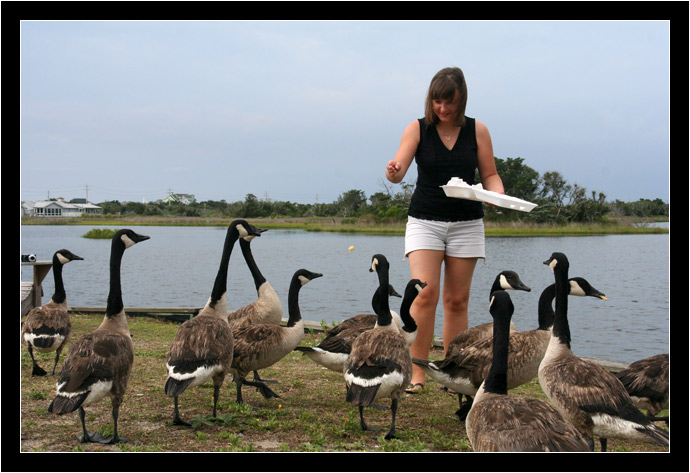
x: 443, y: 231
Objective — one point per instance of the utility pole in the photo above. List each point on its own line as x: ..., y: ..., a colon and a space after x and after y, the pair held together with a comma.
x: 87, y: 193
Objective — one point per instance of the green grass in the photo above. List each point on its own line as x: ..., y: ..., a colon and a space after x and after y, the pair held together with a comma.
x: 100, y: 233
x: 359, y: 226
x: 310, y: 416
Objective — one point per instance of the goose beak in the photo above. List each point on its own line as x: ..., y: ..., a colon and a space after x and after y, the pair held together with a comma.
x: 256, y: 231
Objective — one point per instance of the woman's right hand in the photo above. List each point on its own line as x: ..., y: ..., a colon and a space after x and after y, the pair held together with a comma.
x: 393, y: 168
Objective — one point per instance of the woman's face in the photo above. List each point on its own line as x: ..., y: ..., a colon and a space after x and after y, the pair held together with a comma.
x: 447, y: 110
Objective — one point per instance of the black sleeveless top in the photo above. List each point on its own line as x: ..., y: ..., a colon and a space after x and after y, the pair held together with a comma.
x: 436, y: 165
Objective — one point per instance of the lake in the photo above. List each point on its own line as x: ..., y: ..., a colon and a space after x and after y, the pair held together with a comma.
x: 177, y: 267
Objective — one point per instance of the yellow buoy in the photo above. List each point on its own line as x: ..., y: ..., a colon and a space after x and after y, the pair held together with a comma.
x: 352, y: 248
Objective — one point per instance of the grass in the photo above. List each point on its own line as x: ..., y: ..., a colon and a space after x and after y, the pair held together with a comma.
x: 311, y: 416
x: 100, y: 233
x: 361, y: 226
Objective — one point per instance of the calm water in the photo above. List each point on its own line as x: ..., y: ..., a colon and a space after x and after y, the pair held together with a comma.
x: 177, y: 266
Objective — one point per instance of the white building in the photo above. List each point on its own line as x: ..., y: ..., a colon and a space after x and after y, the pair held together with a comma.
x: 59, y: 208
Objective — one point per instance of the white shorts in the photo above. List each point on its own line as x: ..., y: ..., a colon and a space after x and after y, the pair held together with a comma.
x: 458, y: 239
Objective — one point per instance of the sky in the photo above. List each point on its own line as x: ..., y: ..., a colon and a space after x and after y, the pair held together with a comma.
x: 304, y: 111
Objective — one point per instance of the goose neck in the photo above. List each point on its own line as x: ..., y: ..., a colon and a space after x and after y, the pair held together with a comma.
x: 409, y: 324
x: 561, y: 328
x: 259, y: 279
x: 115, y: 304
x: 383, y: 311
x: 294, y: 313
x: 497, y: 379
x: 546, y: 314
x: 59, y: 295
x: 220, y: 285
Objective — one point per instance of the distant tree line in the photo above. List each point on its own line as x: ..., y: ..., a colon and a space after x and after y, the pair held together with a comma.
x: 558, y: 202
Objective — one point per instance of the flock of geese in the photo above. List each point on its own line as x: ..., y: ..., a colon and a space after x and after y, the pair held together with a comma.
x: 372, y: 352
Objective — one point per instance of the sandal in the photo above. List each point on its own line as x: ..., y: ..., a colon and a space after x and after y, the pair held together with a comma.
x: 413, y: 388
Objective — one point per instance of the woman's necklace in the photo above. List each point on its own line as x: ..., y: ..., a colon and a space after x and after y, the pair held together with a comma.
x: 450, y: 137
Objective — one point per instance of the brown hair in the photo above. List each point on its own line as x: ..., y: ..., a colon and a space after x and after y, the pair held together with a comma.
x: 443, y: 86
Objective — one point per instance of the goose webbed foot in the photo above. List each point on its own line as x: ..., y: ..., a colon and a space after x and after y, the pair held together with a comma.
x: 259, y: 379
x: 464, y: 408
x: 177, y: 420
x: 265, y: 391
x: 38, y: 371
x: 98, y: 438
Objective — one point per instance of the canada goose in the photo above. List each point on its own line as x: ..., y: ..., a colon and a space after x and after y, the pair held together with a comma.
x: 47, y: 328
x: 498, y: 422
x: 259, y: 346
x: 464, y: 368
x: 586, y: 393
x: 99, y: 363
x: 646, y: 381
x: 266, y: 309
x: 379, y: 364
x: 333, y: 350
x: 507, y: 280
x: 203, y: 346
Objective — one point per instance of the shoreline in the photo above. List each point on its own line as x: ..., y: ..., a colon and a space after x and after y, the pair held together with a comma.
x: 362, y: 226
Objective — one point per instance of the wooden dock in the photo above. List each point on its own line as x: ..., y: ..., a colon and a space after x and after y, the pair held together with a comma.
x: 31, y: 292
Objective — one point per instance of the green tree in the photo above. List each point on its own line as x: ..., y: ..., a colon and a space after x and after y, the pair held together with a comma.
x: 351, y: 203
x: 556, y: 190
x: 519, y: 180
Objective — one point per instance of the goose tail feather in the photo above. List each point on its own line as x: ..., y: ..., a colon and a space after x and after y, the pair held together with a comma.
x: 656, y: 434
x: 66, y: 404
x: 361, y: 395
x: 175, y: 387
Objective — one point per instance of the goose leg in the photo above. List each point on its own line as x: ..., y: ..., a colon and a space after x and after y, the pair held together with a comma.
x: 57, y: 357
x: 363, y: 424
x: 84, y: 437
x: 116, y: 438
x: 464, y: 407
x: 394, y: 410
x: 603, y: 442
x: 259, y: 379
x: 177, y: 420
x: 216, y: 391
x: 36, y: 370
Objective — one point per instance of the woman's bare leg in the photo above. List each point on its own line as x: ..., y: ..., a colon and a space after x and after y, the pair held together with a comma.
x: 425, y: 265
x: 456, y: 295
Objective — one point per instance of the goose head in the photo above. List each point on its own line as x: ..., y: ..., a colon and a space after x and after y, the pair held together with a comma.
x: 65, y: 256
x: 246, y: 230
x: 378, y: 261
x: 304, y: 276
x: 509, y: 280
x: 128, y: 238
x: 557, y: 261
x: 581, y: 287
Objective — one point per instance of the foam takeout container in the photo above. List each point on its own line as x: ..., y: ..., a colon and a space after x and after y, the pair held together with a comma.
x: 459, y: 189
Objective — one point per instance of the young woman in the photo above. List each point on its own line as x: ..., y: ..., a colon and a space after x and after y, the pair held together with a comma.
x: 442, y: 231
